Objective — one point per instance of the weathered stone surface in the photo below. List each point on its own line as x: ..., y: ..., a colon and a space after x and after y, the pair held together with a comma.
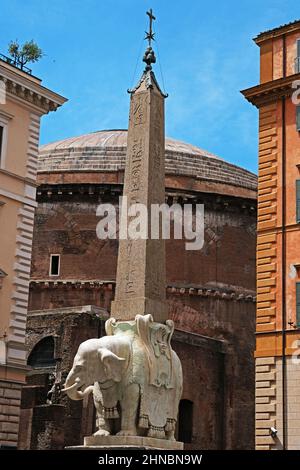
x: 48, y: 427
x: 141, y: 271
x: 131, y: 441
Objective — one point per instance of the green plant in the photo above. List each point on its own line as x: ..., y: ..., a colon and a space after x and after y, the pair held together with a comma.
x: 29, y: 52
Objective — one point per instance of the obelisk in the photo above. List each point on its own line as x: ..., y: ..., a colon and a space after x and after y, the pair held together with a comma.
x: 141, y: 272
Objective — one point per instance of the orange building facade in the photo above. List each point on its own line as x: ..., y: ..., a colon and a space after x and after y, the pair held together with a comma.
x: 278, y: 239
x: 23, y: 100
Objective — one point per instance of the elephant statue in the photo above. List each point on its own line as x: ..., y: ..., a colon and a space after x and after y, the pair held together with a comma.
x: 135, y: 378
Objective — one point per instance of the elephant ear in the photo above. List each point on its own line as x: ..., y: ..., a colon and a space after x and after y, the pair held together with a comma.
x: 113, y: 364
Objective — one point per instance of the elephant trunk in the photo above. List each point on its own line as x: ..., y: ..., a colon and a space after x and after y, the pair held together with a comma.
x: 86, y: 391
x: 71, y: 389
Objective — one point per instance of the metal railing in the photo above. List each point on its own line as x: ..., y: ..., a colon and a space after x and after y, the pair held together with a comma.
x: 15, y: 63
x: 297, y: 65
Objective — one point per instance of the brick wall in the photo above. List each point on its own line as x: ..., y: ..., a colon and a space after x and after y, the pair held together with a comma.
x: 10, y: 398
x: 66, y: 225
x: 203, y: 385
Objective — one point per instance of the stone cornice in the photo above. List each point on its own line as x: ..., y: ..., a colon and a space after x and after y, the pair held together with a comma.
x: 214, y: 292
x: 67, y: 191
x: 277, y: 32
x: 18, y: 177
x: 29, y: 90
x: 100, y: 312
x: 269, y: 92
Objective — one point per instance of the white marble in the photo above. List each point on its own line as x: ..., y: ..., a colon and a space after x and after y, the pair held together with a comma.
x: 135, y: 378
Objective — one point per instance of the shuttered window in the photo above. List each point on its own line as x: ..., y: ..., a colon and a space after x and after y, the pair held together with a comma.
x: 1, y: 140
x: 298, y: 118
x: 298, y: 304
x: 297, y: 60
x: 298, y: 201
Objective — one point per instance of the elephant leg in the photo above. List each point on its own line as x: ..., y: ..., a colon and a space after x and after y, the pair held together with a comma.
x: 129, y: 407
x: 170, y: 436
x: 103, y: 425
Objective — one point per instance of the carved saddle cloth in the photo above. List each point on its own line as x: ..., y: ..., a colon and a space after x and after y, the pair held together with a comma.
x: 158, y: 408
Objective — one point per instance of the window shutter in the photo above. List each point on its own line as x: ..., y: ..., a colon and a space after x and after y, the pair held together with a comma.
x: 298, y: 304
x: 298, y: 118
x: 297, y: 59
x: 1, y: 140
x: 297, y: 201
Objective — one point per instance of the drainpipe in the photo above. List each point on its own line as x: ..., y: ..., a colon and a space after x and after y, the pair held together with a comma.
x: 283, y: 254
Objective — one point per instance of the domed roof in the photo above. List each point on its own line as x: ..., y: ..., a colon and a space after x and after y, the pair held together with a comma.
x: 106, y: 151
x: 117, y: 138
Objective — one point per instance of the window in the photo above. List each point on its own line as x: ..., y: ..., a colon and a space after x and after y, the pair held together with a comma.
x: 2, y: 143
x: 297, y: 60
x: 185, y: 421
x: 1, y: 140
x: 42, y: 354
x: 298, y: 304
x: 4, y: 128
x: 298, y: 118
x: 298, y: 201
x: 2, y: 276
x: 54, y: 265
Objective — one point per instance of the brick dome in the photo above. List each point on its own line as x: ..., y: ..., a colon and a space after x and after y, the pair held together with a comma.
x: 105, y: 151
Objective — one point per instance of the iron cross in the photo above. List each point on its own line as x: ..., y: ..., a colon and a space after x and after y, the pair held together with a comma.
x: 150, y: 34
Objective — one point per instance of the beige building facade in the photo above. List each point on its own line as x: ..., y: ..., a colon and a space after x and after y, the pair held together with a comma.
x: 23, y: 100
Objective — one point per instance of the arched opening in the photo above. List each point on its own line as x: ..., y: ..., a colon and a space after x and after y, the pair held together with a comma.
x: 42, y: 354
x: 185, y: 421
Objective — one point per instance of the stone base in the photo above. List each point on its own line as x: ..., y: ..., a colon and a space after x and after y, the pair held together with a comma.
x: 127, y: 309
x: 133, y: 442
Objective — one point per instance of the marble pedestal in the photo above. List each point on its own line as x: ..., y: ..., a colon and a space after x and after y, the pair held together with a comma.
x: 130, y: 442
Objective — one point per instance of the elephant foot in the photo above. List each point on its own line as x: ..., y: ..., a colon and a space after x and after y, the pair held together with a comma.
x: 127, y: 432
x: 101, y: 432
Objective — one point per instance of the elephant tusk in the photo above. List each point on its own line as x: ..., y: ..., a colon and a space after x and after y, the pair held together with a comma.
x: 66, y: 389
x: 74, y: 385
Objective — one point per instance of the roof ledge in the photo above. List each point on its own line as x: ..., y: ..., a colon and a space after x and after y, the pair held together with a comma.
x: 277, y: 32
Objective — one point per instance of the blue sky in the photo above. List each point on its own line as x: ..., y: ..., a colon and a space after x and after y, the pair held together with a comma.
x: 206, y: 54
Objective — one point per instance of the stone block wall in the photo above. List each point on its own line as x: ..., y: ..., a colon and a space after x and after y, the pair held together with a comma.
x: 10, y: 398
